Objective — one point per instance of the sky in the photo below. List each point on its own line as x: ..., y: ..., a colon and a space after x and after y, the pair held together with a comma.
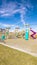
x: 18, y: 13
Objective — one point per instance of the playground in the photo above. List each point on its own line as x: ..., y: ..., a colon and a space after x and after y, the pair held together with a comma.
x: 28, y: 46
x: 18, y: 32
x: 18, y: 46
x: 25, y: 40
x: 26, y: 34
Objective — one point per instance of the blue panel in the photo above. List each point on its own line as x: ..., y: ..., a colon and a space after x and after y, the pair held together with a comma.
x: 26, y: 34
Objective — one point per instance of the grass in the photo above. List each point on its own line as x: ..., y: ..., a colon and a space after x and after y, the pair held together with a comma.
x: 10, y: 56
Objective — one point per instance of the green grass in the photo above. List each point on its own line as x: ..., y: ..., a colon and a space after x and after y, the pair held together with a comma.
x: 10, y: 56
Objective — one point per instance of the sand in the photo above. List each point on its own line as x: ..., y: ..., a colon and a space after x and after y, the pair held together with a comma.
x: 29, y: 45
x: 9, y: 56
x: 20, y: 43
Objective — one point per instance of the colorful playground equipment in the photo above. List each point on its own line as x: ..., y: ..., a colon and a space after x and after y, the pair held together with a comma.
x: 16, y: 31
x: 26, y: 36
x: 3, y: 37
x: 4, y: 34
x: 34, y: 33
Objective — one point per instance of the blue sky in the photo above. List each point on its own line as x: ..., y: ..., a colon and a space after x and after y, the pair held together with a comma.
x: 17, y: 13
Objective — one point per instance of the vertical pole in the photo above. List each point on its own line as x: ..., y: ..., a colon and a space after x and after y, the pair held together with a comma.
x: 26, y: 32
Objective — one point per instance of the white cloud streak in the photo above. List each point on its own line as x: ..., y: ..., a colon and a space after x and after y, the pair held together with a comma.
x: 12, y: 8
x: 6, y: 25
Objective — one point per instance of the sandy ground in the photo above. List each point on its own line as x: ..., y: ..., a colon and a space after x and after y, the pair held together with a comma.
x: 26, y: 45
x: 10, y: 56
x: 20, y: 43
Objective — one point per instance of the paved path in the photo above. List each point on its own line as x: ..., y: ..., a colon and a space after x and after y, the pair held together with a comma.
x: 20, y: 47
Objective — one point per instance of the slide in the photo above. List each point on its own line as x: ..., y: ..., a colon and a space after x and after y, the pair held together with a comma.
x: 33, y: 34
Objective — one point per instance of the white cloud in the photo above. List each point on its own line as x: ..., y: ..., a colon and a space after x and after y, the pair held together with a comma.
x: 8, y: 8
x: 7, y: 14
x: 12, y: 8
x: 2, y: 11
x: 6, y: 25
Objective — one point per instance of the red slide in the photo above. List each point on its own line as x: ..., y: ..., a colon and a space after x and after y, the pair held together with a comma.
x: 33, y: 34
